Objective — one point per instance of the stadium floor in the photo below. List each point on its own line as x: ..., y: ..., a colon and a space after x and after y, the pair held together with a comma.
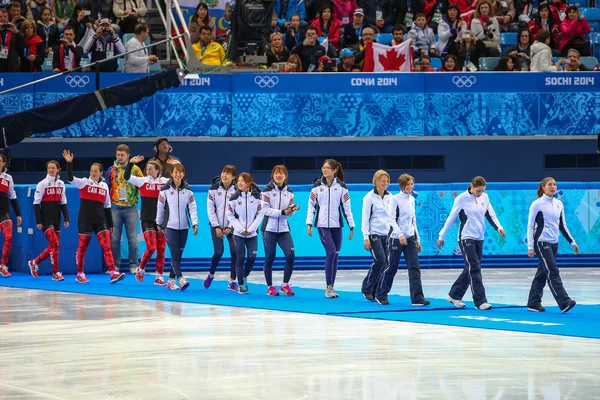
x: 64, y: 345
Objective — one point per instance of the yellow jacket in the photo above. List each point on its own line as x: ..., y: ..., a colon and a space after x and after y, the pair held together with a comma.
x: 213, y: 54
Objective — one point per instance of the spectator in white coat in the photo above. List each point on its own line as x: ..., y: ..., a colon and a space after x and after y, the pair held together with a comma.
x: 541, y: 54
x: 140, y: 60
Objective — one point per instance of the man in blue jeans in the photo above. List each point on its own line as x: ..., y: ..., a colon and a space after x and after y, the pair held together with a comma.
x: 124, y: 199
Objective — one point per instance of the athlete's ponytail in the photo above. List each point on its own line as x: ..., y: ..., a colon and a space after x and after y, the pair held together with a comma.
x: 247, y: 178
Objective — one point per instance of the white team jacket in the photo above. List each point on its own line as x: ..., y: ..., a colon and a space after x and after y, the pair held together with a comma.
x: 328, y: 203
x: 471, y: 211
x: 217, y: 202
x: 404, y: 220
x: 376, y: 218
x: 274, y: 200
x: 244, y: 212
x: 172, y: 207
x: 546, y: 219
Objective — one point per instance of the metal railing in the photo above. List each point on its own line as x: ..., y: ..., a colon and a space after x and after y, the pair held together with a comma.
x: 168, y: 24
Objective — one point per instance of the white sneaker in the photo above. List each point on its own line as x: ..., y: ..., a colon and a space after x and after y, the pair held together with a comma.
x: 484, y: 306
x: 172, y: 285
x: 457, y: 303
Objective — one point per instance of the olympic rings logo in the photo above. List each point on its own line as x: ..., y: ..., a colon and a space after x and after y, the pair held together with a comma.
x: 464, y: 81
x: 77, y: 81
x: 266, y: 81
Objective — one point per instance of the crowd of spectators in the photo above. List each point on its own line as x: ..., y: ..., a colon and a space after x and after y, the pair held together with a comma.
x: 308, y: 36
x: 458, y: 32
x: 64, y: 30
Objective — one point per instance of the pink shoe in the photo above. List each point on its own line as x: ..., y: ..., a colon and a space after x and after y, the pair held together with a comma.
x: 33, y: 268
x: 160, y: 281
x: 116, y: 277
x: 172, y: 285
x: 271, y: 291
x: 286, y: 289
x: 82, y: 279
x: 4, y: 271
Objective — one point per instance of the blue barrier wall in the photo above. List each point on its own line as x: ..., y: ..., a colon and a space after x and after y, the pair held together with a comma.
x: 314, y: 105
x: 434, y: 201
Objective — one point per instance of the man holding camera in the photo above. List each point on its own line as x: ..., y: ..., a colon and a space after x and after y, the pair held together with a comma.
x: 310, y: 50
x: 67, y: 55
x: 12, y: 44
x: 104, y: 44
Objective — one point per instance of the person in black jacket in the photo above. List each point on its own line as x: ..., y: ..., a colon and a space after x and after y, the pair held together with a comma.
x: 67, y: 55
x: 48, y: 31
x: 11, y: 42
x: 295, y: 33
x: 34, y: 50
x: 353, y: 30
x: 380, y: 14
x: 310, y: 51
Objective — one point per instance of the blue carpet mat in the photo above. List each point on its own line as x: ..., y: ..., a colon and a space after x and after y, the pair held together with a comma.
x: 582, y: 321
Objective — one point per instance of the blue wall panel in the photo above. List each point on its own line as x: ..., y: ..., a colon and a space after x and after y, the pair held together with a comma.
x: 315, y: 105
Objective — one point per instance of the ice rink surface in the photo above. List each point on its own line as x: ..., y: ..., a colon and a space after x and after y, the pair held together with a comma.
x: 72, y: 346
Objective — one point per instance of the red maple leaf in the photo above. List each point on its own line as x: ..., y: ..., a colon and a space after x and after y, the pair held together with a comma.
x: 391, y: 60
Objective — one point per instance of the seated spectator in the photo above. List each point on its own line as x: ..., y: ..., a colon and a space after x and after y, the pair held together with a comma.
x: 427, y: 8
x: 294, y: 64
x: 81, y: 24
x: 504, y: 11
x: 544, y: 21
x: 353, y: 30
x: 13, y: 44
x: 277, y: 52
x: 559, y: 10
x: 326, y: 64
x: 468, y: 50
x: 526, y: 12
x: 450, y: 64
x: 286, y: 9
x: 128, y: 13
x: 347, y: 63
x: 367, y: 36
x: 541, y: 54
x: 423, y: 64
x: 327, y: 27
x: 422, y: 38
x: 274, y: 28
x: 573, y: 29
x: 207, y: 50
x: 294, y: 34
x: 48, y: 31
x: 486, y: 28
x: 313, y: 7
x: 200, y: 18
x: 139, y: 61
x: 448, y: 28
x: 397, y: 35
x: 574, y: 61
x: 521, y: 51
x: 67, y: 55
x: 35, y: 7
x: 34, y: 51
x: 104, y: 44
x: 506, y: 64
x: 310, y: 50
x: 343, y: 10
x: 380, y: 14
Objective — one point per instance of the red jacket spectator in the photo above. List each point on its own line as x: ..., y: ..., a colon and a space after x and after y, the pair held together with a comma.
x: 342, y: 10
x: 559, y: 8
x: 333, y: 33
x: 573, y: 29
x: 464, y: 6
x: 534, y: 27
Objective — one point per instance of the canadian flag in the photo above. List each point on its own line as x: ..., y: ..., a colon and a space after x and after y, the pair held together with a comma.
x: 381, y: 58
